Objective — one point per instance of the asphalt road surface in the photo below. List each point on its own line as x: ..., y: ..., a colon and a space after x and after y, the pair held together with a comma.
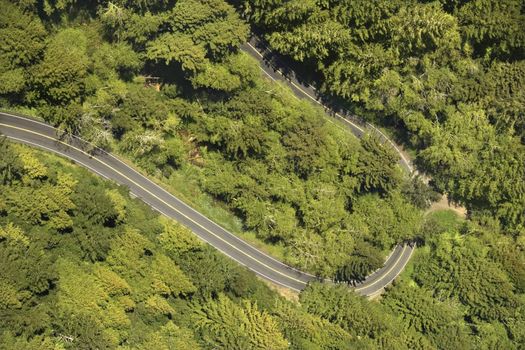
x: 43, y: 136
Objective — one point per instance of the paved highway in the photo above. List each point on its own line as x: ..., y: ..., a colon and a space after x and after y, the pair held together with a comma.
x: 41, y: 135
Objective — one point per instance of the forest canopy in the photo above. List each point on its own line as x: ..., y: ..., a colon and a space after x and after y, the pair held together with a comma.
x: 446, y: 76
x: 113, y: 274
x: 165, y: 85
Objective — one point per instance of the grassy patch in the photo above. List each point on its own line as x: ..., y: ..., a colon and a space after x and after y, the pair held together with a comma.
x: 184, y: 184
x: 445, y: 220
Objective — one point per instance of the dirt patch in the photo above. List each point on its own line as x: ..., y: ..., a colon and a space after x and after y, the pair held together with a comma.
x: 444, y: 203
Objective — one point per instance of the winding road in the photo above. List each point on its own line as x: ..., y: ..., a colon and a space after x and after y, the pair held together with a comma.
x: 37, y: 134
x: 274, y: 68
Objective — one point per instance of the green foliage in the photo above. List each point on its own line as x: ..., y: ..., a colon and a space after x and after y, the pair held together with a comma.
x: 10, y: 165
x: 512, y: 260
x: 58, y: 79
x: 310, y: 332
x: 170, y: 336
x: 225, y: 325
x: 162, y: 82
x: 121, y: 274
x: 51, y: 207
x: 22, y: 42
x: 447, y: 75
x: 461, y: 293
x: 358, y: 265
x: 425, y: 314
x: 369, y: 322
x: 314, y: 209
x: 176, y: 239
x: 10, y: 341
x: 197, y: 35
x: 210, y: 272
x: 494, y: 27
x: 82, y: 294
x: 459, y: 268
x: 119, y: 58
x: 387, y: 220
x: 505, y: 97
x: 377, y: 166
x: 178, y: 48
x: 9, y: 297
x: 418, y: 193
x: 421, y: 28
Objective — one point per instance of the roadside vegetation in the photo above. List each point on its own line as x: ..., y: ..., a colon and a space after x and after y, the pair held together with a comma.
x: 114, y: 274
x: 163, y: 83
x: 84, y: 266
x: 447, y: 76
